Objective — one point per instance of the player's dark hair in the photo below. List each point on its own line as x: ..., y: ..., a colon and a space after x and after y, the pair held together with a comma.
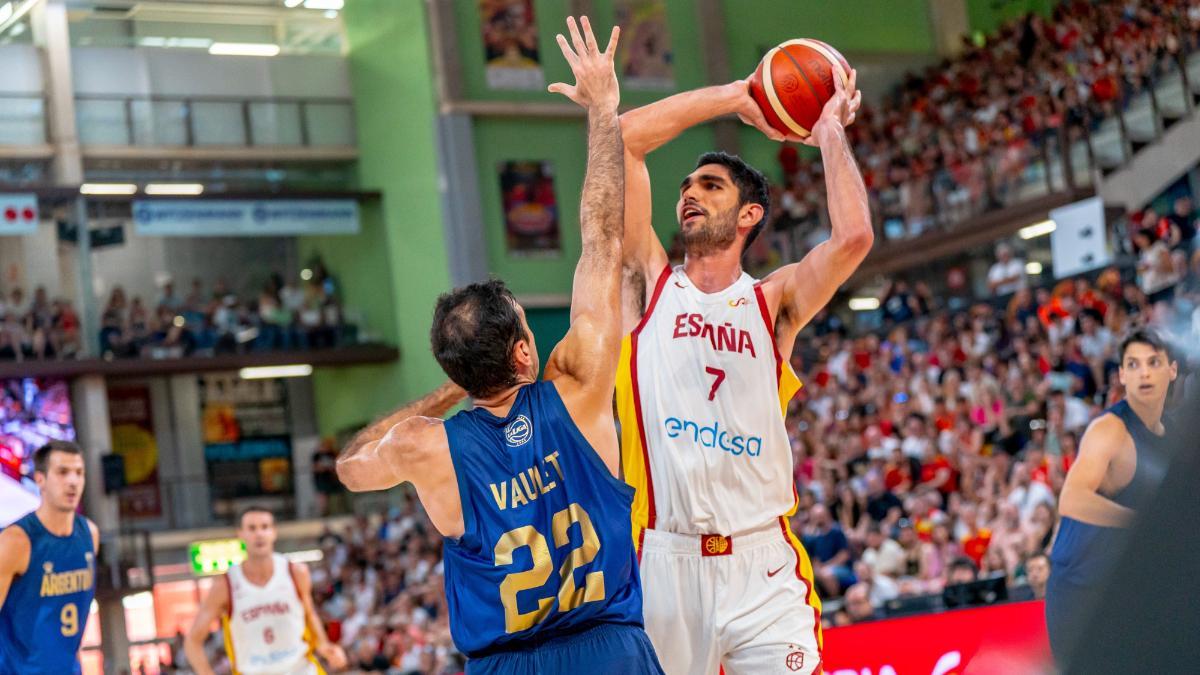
x: 474, y: 330
x: 751, y: 184
x: 41, y: 456
x: 964, y: 563
x: 1149, y: 337
x: 253, y: 508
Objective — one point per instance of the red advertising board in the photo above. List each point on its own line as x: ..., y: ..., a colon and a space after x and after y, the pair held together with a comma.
x: 998, y: 640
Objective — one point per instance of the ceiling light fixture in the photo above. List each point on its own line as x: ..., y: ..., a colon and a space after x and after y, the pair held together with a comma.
x: 243, y: 49
x: 189, y: 189
x: 108, y: 189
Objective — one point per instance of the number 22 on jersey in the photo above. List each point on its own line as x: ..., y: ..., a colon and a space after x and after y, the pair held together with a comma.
x: 569, y: 596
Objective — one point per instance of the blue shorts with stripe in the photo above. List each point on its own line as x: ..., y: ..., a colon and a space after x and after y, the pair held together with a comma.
x: 599, y: 650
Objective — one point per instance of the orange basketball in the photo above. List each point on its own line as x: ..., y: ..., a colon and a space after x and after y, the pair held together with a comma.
x: 793, y: 82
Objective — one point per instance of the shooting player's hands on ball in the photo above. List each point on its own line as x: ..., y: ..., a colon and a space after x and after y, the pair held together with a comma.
x: 595, y: 76
x: 749, y: 113
x: 840, y: 110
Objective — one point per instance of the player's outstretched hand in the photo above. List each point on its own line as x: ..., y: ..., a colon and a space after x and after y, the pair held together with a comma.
x: 841, y: 109
x: 595, y: 76
x: 334, y: 655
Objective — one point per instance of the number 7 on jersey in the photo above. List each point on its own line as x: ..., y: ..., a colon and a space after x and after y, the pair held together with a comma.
x: 720, y: 377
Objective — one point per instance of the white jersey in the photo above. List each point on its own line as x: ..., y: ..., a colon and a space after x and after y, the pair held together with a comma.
x: 701, y: 394
x: 266, y: 631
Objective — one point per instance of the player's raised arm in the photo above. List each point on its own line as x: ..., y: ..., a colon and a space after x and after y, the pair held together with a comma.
x: 647, y: 128
x: 805, y: 287
x: 378, y: 457
x: 1081, y: 498
x: 587, y: 356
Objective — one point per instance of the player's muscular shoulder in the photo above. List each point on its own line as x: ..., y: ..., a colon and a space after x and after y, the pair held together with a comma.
x: 14, y: 550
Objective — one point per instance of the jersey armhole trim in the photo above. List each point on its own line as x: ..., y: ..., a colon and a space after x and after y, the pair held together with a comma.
x: 464, y: 494
x: 766, y: 316
x: 229, y: 592
x: 658, y: 288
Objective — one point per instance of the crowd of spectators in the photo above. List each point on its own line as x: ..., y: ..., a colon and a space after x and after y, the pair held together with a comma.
x: 37, y: 329
x: 283, y: 315
x: 379, y: 589
x: 933, y: 453
x: 961, y: 137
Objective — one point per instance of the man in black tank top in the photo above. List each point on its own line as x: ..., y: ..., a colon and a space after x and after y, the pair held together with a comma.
x: 1122, y: 460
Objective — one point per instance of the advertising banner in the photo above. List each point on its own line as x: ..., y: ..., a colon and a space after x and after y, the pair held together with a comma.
x: 244, y: 218
x: 132, y: 421
x: 1009, y: 638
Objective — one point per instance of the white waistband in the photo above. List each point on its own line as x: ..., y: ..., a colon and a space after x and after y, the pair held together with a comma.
x: 691, y: 544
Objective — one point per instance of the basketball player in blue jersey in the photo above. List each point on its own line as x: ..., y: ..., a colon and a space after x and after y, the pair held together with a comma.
x: 48, y: 571
x: 1122, y: 460
x: 541, y: 575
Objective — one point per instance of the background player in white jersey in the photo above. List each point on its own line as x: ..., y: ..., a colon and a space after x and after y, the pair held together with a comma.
x: 266, y: 610
x: 702, y: 387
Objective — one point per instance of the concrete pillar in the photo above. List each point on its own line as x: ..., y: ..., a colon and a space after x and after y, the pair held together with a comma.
x: 189, y: 499
x: 711, y: 20
x: 52, y: 29
x: 950, y: 22
x: 114, y: 636
x: 305, y: 438
x: 89, y: 395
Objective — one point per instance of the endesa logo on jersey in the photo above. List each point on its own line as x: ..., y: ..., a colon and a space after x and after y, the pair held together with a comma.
x: 713, y: 436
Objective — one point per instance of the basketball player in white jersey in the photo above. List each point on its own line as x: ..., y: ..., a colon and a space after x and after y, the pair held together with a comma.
x: 266, y: 610
x: 703, y: 388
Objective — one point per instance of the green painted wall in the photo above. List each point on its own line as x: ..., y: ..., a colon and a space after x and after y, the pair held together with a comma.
x: 564, y: 143
x: 989, y: 15
x: 396, y: 268
x: 752, y: 27
x: 551, y: 16
x: 859, y: 26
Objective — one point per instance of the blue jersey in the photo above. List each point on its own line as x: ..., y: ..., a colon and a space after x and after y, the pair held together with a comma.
x: 42, y: 620
x: 1084, y: 554
x: 547, y: 550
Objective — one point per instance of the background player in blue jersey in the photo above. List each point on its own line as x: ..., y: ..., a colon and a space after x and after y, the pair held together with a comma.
x: 1122, y: 460
x: 541, y: 575
x: 48, y: 571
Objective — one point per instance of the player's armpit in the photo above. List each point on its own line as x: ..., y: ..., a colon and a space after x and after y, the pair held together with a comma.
x: 14, y: 558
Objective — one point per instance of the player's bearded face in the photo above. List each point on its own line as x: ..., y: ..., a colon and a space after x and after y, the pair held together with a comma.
x: 711, y: 233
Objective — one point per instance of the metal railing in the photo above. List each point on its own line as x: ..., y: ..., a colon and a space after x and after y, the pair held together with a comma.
x: 198, y: 121
x: 23, y: 118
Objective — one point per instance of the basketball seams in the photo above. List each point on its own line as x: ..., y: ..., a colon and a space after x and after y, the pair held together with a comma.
x: 773, y: 98
x: 816, y: 96
x: 825, y: 51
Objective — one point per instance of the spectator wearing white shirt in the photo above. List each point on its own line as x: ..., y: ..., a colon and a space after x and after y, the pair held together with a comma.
x: 883, y: 555
x: 1026, y: 494
x: 1007, y: 274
